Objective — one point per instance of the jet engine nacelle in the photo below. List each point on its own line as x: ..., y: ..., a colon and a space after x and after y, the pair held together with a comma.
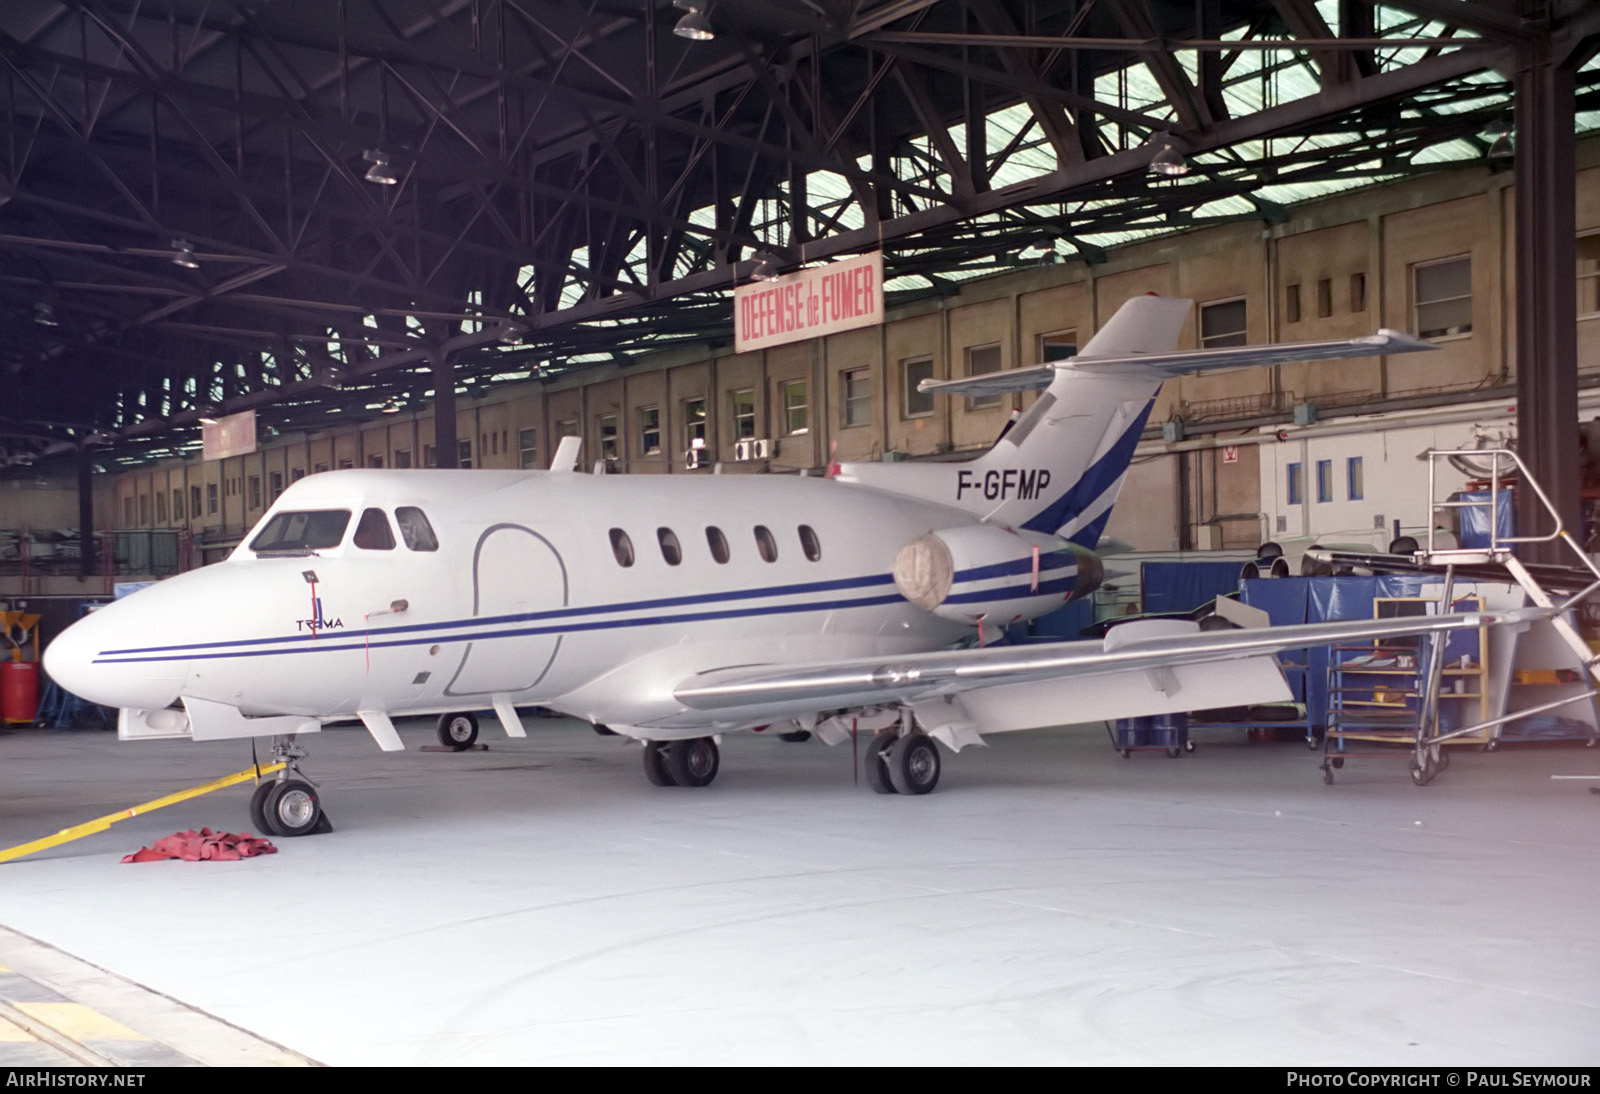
x: 988, y: 573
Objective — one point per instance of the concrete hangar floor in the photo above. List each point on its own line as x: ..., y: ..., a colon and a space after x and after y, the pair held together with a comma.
x: 1051, y: 902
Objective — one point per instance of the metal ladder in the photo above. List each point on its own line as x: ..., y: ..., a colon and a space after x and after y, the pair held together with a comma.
x: 1505, y: 466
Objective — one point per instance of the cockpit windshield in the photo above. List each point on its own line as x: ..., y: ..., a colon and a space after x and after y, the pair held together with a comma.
x: 295, y: 533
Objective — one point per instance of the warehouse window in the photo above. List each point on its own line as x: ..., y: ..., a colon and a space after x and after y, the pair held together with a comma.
x: 855, y: 386
x: 1291, y: 303
x: 161, y: 506
x: 744, y: 414
x: 796, y: 409
x: 211, y: 499
x: 1222, y: 323
x: 1058, y: 345
x: 622, y: 547
x: 464, y: 453
x: 528, y: 447
x: 606, y: 427
x: 177, y: 503
x: 255, y: 491
x: 918, y: 404
x: 1355, y: 479
x: 1325, y: 298
x: 1324, y: 480
x: 650, y: 430
x: 1358, y: 292
x: 1442, y: 298
x: 1589, y: 275
x: 694, y: 423
x: 982, y: 360
x: 402, y: 458
x: 276, y: 483
x: 1297, y: 483
x: 718, y: 544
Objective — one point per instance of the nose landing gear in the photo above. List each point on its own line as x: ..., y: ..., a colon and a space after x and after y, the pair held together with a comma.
x: 289, y: 804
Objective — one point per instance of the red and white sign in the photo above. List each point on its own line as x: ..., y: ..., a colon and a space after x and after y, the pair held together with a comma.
x: 809, y: 303
x: 1230, y: 453
x: 234, y: 435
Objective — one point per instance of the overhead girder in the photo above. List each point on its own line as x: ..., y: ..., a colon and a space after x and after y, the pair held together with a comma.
x: 565, y: 161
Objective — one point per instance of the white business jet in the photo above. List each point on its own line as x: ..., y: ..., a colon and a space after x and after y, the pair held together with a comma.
x: 674, y: 609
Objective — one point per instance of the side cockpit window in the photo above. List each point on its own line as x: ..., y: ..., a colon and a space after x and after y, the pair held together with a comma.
x: 372, y: 532
x: 301, y: 532
x: 415, y: 529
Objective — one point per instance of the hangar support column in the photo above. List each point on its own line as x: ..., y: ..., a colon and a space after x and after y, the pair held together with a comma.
x: 1546, y: 273
x: 444, y: 410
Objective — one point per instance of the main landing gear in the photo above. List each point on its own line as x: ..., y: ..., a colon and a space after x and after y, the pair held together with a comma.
x: 693, y: 762
x: 288, y: 805
x: 902, y: 761
x: 458, y: 731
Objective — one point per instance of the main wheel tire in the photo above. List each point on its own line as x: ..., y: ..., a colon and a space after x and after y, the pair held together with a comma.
x: 655, y: 764
x: 693, y: 762
x: 458, y: 731
x: 796, y: 736
x: 258, y: 809
x: 878, y: 764
x: 293, y: 808
x: 914, y: 765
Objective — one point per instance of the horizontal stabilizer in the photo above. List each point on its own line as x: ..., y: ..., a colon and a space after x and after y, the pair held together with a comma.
x: 1159, y: 366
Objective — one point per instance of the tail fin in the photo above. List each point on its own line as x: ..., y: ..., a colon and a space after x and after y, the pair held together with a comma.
x: 1060, y: 467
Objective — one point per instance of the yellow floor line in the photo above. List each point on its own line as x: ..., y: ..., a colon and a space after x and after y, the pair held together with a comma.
x: 10, y: 1031
x: 100, y: 824
x: 79, y: 1022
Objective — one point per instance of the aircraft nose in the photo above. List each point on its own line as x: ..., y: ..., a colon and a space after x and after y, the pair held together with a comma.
x: 79, y: 659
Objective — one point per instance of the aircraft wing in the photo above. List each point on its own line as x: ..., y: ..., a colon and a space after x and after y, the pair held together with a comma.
x: 1162, y: 365
x: 913, y: 677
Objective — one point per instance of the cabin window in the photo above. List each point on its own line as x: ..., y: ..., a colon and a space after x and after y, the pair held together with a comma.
x: 415, y: 529
x: 622, y: 547
x: 372, y: 532
x: 306, y: 530
x: 671, y: 549
x: 718, y: 544
x: 809, y: 543
x: 766, y: 544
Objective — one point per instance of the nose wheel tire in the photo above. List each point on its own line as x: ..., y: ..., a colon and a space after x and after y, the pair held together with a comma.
x: 914, y: 765
x: 693, y: 762
x: 458, y: 731
x: 291, y: 808
x: 258, y: 809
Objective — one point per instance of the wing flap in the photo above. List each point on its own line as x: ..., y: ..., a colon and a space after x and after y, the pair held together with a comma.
x: 911, y: 677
